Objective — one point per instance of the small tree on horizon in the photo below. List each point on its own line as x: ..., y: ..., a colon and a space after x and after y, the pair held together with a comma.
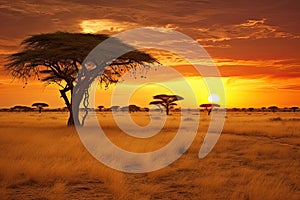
x: 294, y: 108
x: 273, y: 108
x: 19, y: 108
x: 100, y: 108
x: 114, y: 108
x: 210, y: 106
x: 40, y: 106
x: 251, y: 109
x: 133, y: 108
x: 167, y: 101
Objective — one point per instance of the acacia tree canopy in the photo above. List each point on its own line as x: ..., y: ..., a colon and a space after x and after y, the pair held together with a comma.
x: 40, y: 105
x: 57, y: 58
x: 166, y: 101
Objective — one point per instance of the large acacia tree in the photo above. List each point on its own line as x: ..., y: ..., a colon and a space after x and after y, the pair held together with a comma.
x: 57, y: 58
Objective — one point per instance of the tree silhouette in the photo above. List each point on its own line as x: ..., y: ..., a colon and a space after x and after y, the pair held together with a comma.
x: 130, y: 108
x: 294, y: 108
x: 57, y: 58
x: 133, y: 108
x: 235, y: 109
x: 114, y: 108
x: 100, y: 108
x: 40, y: 106
x: 273, y: 108
x: 251, y: 109
x: 210, y: 106
x: 145, y: 109
x: 21, y: 108
x: 166, y: 101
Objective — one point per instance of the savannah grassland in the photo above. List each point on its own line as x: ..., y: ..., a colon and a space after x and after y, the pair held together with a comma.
x: 256, y: 157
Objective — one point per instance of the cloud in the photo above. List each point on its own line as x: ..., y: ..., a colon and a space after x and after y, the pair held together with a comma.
x: 250, y: 29
x: 279, y: 63
x: 263, y: 86
x: 105, y: 26
x: 223, y: 26
x: 271, y: 69
x: 290, y: 87
x: 251, y: 71
x: 259, y: 68
x: 258, y: 29
x: 252, y: 22
x: 34, y: 8
x: 195, y: 18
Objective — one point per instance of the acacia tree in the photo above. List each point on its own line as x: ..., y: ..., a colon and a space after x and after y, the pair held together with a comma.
x: 294, y: 108
x: 101, y: 108
x: 57, y: 58
x: 40, y: 106
x: 273, y: 108
x: 133, y: 108
x: 167, y: 101
x: 114, y: 108
x: 210, y: 106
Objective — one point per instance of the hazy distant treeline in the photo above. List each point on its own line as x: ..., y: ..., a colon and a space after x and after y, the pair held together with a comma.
x: 134, y: 108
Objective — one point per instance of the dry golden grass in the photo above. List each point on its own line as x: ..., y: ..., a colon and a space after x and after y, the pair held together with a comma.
x: 256, y: 157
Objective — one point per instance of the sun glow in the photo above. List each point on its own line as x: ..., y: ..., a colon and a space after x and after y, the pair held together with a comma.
x: 104, y: 26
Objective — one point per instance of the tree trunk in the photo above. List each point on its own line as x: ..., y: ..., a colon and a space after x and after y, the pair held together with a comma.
x: 209, y: 111
x: 167, y: 110
x: 75, y: 114
x: 71, y: 120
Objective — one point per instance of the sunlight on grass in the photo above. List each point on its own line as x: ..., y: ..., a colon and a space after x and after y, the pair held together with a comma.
x: 255, y: 158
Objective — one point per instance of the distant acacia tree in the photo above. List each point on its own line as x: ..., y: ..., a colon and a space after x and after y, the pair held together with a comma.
x: 100, y: 108
x: 244, y: 109
x: 209, y: 107
x: 40, y: 106
x: 21, y: 108
x: 57, y: 58
x: 114, y: 108
x: 235, y: 109
x: 130, y: 108
x: 145, y: 109
x: 251, y: 109
x: 273, y: 108
x: 294, y: 108
x: 133, y: 108
x: 167, y: 101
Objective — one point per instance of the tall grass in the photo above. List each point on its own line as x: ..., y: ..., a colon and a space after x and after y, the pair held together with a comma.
x: 255, y: 158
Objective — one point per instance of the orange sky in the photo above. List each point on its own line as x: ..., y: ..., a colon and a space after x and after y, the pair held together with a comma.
x: 255, y: 44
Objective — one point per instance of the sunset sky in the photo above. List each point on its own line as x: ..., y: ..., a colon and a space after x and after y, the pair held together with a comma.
x: 255, y: 44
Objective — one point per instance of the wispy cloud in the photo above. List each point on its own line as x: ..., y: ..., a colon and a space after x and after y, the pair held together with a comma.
x: 289, y: 87
x: 250, y: 29
x: 279, y: 63
x: 259, y: 68
x: 34, y: 8
x: 105, y: 26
